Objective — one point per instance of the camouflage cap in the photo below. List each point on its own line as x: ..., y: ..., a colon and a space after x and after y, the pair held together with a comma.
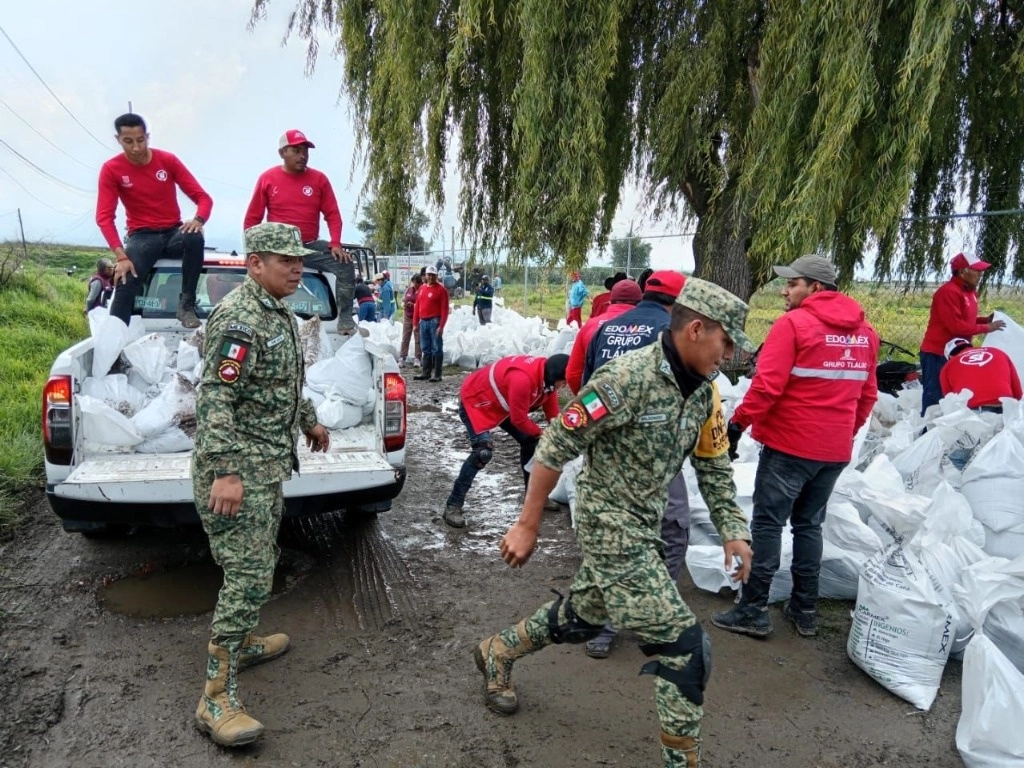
x: 271, y: 237
x: 716, y: 303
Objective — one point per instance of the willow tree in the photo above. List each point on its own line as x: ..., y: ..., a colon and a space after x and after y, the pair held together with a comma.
x: 778, y: 128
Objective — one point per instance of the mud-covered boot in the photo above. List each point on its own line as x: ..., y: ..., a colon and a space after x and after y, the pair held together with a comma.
x: 186, y: 313
x: 257, y: 649
x: 680, y: 751
x: 220, y: 712
x: 453, y: 516
x: 438, y: 362
x: 494, y: 658
x: 424, y: 374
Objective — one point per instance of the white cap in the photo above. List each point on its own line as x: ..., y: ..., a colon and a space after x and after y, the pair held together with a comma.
x: 431, y: 270
x: 955, y: 344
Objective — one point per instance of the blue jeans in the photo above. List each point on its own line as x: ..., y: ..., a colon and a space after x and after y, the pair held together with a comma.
x: 367, y: 311
x: 144, y: 247
x: 789, y: 488
x: 430, y: 342
x: 483, y: 441
x: 931, y: 367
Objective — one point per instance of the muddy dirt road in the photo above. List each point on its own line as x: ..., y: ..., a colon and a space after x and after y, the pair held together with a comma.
x: 383, y: 615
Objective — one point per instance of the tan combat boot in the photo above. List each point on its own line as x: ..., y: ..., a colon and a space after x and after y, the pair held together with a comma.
x: 494, y: 658
x: 680, y: 751
x: 220, y: 713
x: 257, y: 649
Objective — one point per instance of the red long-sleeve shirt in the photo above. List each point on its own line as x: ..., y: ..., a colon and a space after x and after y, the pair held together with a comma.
x: 954, y: 313
x: 147, y: 193
x: 986, y: 371
x: 297, y: 199
x: 432, y: 301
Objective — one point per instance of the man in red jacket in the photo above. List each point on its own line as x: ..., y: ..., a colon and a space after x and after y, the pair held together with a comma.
x: 814, y: 388
x: 502, y: 395
x: 625, y: 295
x: 954, y: 313
x: 146, y: 181
x: 293, y: 193
x: 429, y: 316
x: 986, y: 371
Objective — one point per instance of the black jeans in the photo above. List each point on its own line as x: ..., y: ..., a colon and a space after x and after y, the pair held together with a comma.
x: 144, y: 247
x: 788, y: 487
x: 344, y: 278
x: 527, y: 446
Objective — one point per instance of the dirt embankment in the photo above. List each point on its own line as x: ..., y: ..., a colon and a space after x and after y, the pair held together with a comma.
x: 383, y: 615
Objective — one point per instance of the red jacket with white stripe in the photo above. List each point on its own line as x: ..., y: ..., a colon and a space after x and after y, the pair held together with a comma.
x: 815, y: 384
x: 508, y: 389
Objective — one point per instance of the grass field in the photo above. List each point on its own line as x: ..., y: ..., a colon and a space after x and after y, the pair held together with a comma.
x: 42, y: 316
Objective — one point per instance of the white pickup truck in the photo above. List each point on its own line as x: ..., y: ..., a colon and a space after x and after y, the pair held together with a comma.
x: 97, y: 492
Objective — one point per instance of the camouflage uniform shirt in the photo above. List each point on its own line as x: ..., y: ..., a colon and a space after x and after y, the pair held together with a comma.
x: 636, y: 429
x: 250, y: 406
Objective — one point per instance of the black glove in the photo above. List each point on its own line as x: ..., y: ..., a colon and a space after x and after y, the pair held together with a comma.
x: 734, y: 432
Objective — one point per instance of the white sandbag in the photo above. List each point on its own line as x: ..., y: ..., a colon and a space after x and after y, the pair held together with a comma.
x: 566, y: 480
x: 989, y: 733
x: 921, y: 465
x: 116, y: 392
x: 1010, y: 339
x: 706, y: 564
x: 108, y: 339
x: 104, y: 425
x: 902, y: 626
x: 148, y: 357
x: 188, y: 357
x: 173, y: 440
x: 175, y: 403
x: 993, y: 484
x: 1005, y: 627
x: 335, y: 413
x: 887, y: 409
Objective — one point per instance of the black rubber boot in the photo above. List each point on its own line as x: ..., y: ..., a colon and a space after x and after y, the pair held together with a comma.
x: 186, y: 314
x: 438, y: 362
x: 424, y: 374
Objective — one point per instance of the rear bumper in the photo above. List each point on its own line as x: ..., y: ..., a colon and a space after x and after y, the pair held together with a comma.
x: 82, y: 514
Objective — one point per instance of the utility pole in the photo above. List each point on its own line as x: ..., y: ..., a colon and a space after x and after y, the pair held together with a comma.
x: 24, y: 246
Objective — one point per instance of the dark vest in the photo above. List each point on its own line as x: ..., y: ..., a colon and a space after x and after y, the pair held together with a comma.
x: 630, y: 330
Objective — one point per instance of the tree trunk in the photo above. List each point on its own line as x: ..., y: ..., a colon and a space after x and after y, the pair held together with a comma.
x: 720, y: 248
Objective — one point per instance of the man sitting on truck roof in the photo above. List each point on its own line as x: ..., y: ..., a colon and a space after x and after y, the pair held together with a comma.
x: 293, y: 193
x: 145, y: 181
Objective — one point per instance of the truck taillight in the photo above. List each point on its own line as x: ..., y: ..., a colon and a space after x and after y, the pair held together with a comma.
x: 394, y: 412
x: 57, y: 440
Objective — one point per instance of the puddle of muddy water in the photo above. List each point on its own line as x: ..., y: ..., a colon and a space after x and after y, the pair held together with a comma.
x: 186, y: 591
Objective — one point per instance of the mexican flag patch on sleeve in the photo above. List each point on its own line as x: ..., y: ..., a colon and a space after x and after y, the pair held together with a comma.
x: 595, y: 406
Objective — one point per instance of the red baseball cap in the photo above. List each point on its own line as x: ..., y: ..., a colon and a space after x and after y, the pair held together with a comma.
x: 961, y: 262
x: 666, y: 281
x: 294, y: 138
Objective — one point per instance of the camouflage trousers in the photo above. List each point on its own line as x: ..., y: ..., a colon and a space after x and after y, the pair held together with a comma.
x: 245, y: 547
x: 632, y: 592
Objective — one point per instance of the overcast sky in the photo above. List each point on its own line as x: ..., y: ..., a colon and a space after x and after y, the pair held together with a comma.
x: 213, y: 93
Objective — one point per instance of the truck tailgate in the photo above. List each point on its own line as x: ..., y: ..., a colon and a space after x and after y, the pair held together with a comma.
x: 142, y: 479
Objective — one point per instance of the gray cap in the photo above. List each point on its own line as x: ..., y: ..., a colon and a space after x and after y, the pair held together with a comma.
x: 812, y: 267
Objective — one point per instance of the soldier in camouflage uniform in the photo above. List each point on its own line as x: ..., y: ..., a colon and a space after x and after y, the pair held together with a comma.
x: 636, y: 421
x: 250, y: 409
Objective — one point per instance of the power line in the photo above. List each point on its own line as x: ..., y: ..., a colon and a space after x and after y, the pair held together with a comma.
x: 48, y: 88
x: 40, y: 135
x: 39, y: 170
x: 23, y: 189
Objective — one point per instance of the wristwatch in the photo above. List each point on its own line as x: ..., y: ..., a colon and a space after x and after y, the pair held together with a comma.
x: 199, y: 218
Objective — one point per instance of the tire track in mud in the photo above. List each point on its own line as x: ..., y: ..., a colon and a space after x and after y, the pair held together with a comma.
x: 361, y: 581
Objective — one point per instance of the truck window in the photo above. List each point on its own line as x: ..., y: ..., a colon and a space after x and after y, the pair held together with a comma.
x: 160, y: 297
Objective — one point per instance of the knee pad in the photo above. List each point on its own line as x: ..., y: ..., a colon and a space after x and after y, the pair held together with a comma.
x: 482, y: 454
x: 692, y: 679
x: 574, y: 630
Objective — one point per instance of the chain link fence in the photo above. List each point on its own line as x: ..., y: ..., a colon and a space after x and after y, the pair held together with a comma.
x: 897, y: 308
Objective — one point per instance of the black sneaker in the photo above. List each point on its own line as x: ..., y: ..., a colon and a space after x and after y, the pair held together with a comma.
x: 744, y: 620
x: 806, y: 622
x: 453, y: 516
